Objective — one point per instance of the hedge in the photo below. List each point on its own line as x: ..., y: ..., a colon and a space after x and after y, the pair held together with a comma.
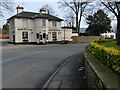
x: 108, y: 56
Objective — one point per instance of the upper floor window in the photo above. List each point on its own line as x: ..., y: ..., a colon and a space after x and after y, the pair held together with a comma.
x: 24, y: 22
x: 54, y: 23
x: 43, y: 22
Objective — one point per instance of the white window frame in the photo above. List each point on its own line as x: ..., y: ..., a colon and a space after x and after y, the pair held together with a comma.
x: 54, y: 23
x: 43, y: 22
x: 54, y: 35
x: 25, y: 23
x: 25, y: 35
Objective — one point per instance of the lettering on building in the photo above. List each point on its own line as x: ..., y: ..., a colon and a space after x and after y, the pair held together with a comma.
x: 25, y: 29
x: 53, y: 29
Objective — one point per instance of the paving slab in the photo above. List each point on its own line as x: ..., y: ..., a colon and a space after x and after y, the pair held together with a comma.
x: 71, y: 75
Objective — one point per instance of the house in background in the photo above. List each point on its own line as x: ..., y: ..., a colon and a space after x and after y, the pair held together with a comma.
x: 31, y: 27
x: 109, y: 35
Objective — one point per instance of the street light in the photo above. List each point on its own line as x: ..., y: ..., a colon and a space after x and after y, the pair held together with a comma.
x: 64, y: 29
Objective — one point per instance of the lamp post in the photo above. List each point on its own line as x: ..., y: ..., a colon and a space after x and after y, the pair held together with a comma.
x: 64, y: 29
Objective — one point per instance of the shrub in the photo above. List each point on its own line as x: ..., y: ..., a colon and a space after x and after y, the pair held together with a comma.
x: 108, y: 56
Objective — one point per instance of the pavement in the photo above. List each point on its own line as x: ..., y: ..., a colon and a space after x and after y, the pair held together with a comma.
x: 69, y: 75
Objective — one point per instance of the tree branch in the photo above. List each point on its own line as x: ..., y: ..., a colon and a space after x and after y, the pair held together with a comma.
x: 110, y: 8
x: 117, y: 7
x: 69, y: 6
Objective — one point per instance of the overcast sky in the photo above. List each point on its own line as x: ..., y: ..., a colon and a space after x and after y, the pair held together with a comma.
x: 34, y: 6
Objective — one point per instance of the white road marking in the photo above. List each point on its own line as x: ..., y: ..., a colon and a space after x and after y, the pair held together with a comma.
x: 22, y: 56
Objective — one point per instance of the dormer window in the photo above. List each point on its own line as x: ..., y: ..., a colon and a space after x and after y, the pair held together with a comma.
x: 54, y: 23
x: 43, y: 22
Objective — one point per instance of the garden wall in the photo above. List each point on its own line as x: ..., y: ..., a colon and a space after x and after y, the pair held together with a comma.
x: 84, y: 39
x: 99, y: 77
x: 6, y: 36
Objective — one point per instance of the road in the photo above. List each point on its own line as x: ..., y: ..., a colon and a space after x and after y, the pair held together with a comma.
x: 3, y: 42
x: 31, y: 66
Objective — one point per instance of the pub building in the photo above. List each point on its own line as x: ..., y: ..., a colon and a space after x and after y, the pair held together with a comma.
x: 32, y: 27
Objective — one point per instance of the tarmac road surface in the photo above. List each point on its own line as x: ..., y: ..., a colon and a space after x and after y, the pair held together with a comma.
x: 31, y: 66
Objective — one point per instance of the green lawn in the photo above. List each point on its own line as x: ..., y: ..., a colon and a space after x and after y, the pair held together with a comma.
x: 111, y: 44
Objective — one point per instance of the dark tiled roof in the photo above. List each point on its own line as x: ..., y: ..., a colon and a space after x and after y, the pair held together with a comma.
x: 33, y: 15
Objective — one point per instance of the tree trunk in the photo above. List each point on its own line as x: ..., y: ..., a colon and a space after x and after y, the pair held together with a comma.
x: 77, y: 22
x: 118, y: 30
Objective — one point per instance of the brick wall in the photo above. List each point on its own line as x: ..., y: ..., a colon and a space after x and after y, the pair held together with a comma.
x: 84, y: 39
x: 4, y: 36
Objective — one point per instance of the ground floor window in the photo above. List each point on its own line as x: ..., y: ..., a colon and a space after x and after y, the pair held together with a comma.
x: 112, y: 36
x: 25, y: 36
x: 54, y: 36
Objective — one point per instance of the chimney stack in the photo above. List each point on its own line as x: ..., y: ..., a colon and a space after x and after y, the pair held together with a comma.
x: 19, y: 9
x: 42, y: 10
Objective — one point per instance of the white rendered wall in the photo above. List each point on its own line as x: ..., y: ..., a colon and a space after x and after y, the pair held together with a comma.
x: 19, y: 29
x: 68, y: 34
x: 11, y: 29
x: 74, y: 34
x: 34, y: 26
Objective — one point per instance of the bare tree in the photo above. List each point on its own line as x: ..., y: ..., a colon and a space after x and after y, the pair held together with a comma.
x: 114, y: 7
x: 49, y: 9
x: 77, y: 6
x: 69, y: 16
x: 6, y: 5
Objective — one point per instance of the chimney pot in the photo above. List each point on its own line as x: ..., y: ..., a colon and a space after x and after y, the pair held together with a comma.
x: 42, y: 10
x: 19, y: 9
